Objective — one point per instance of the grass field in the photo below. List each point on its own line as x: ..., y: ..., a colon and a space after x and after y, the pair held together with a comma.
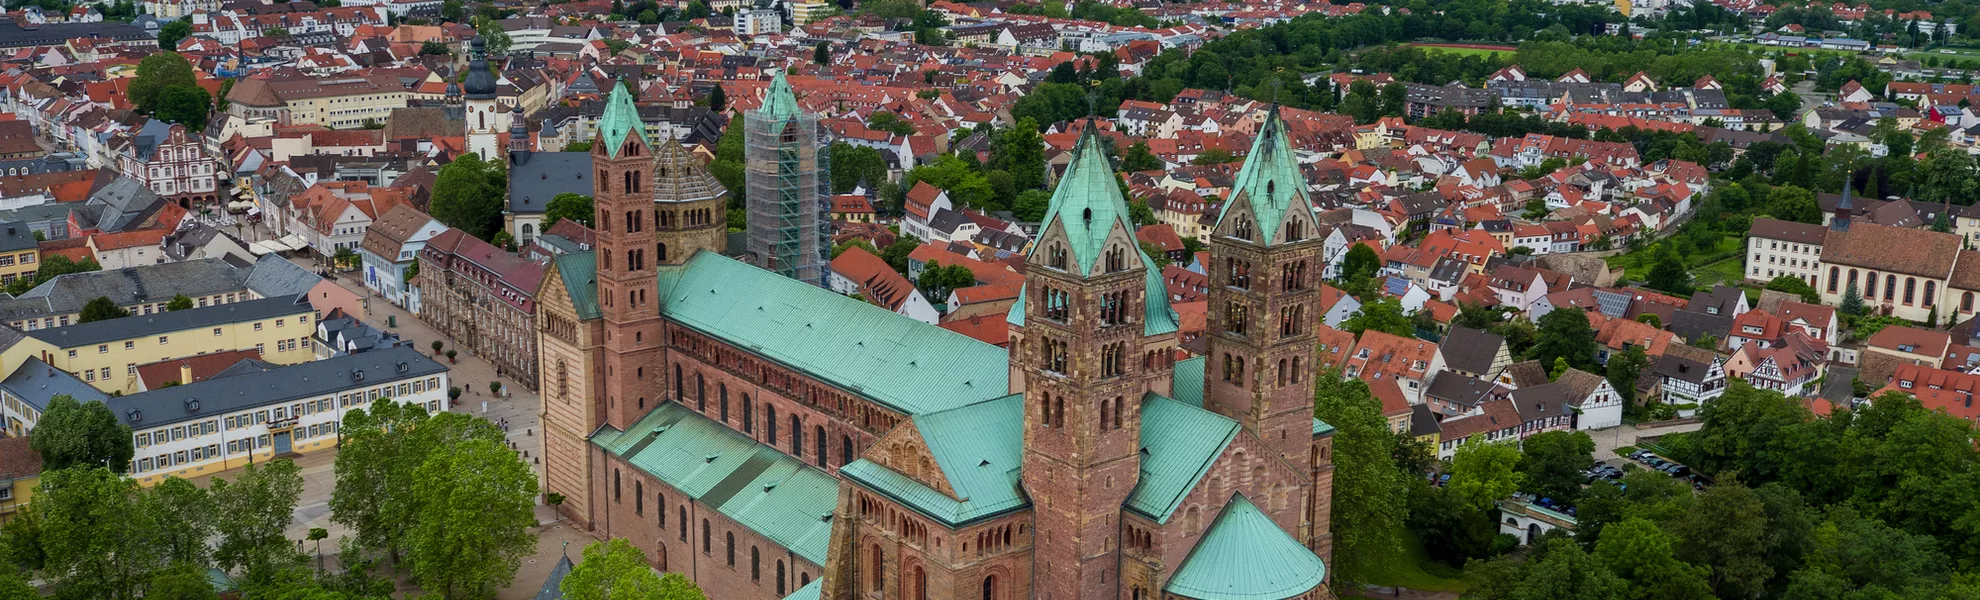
x: 1725, y: 271
x: 1959, y: 53
x: 1416, y: 571
x: 1463, y: 49
x: 1772, y: 49
x: 1634, y: 270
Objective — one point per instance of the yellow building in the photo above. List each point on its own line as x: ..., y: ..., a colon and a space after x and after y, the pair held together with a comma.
x: 336, y: 102
x: 106, y: 354
x: 19, y: 254
x: 20, y: 472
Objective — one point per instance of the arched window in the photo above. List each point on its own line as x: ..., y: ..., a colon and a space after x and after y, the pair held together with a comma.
x: 780, y: 578
x: 1833, y: 272
x: 1910, y: 289
x: 878, y: 567
x: 677, y: 384
x: 705, y: 534
x: 1870, y: 287
x: 660, y: 506
x: 990, y: 588
x: 749, y: 415
x: 770, y: 424
x: 639, y: 497
x: 1966, y: 302
x: 700, y: 393
x: 818, y: 435
x: 662, y: 251
x: 730, y: 539
x: 681, y: 513
x: 920, y: 583
x: 846, y: 441
x: 1931, y: 294
x: 797, y: 437
x: 1890, y: 288
x: 755, y: 564
x: 1194, y: 519
x: 722, y: 394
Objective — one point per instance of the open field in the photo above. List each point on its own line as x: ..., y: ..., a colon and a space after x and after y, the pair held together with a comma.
x: 1474, y: 49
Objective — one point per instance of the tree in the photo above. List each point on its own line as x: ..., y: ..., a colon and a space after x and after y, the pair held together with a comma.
x: 938, y: 280
x: 1640, y: 553
x: 186, y: 105
x: 1552, y: 464
x: 181, y: 518
x: 718, y: 100
x: 1020, y: 150
x: 1794, y: 203
x: 472, y: 524
x: 1031, y: 205
x: 1381, y: 314
x: 1623, y: 370
x: 568, y: 205
x: 71, y: 434
x: 434, y: 48
x: 381, y: 448
x: 92, y: 548
x: 1797, y: 286
x: 1558, y: 569
x: 451, y: 11
x: 853, y: 166
x: 1214, y: 156
x: 1852, y: 301
x: 467, y: 195
x: 180, y: 582
x: 155, y: 74
x: 173, y: 31
x: 1360, y: 262
x: 1565, y: 334
x: 822, y: 54
x: 615, y: 570
x: 257, y: 506
x: 1367, y: 517
x: 1139, y: 158
x: 497, y: 38
x: 179, y: 302
x: 102, y: 308
x: 1669, y: 275
x: 1483, y: 473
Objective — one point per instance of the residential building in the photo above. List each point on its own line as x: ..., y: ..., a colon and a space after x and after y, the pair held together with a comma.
x: 389, y: 250
x: 20, y: 254
x: 1475, y: 353
x: 1596, y: 403
x: 20, y: 474
x: 1410, y: 362
x: 169, y: 160
x: 1690, y: 379
x: 857, y: 272
x: 1775, y: 248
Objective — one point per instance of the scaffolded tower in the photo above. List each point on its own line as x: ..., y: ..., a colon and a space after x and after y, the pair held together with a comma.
x: 784, y: 147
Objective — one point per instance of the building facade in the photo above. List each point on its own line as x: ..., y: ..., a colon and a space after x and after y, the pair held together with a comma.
x: 845, y: 451
x: 484, y: 297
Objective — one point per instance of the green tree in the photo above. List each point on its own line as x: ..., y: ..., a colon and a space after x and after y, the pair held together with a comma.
x: 1565, y: 334
x: 257, y: 506
x: 1793, y: 203
x: 1483, y: 473
x: 173, y: 31
x: 1367, y: 514
x: 1031, y: 205
x: 1557, y: 569
x: 938, y: 280
x: 434, y: 48
x: 1214, y: 156
x: 1640, y: 553
x: 1624, y: 369
x: 155, y: 74
x: 568, y: 205
x: 1552, y: 462
x: 615, y: 570
x: 1852, y: 301
x: 1381, y: 314
x: 1669, y: 275
x: 92, y: 548
x: 852, y: 165
x: 1138, y: 158
x: 1360, y: 262
x: 1797, y: 286
x: 70, y: 434
x: 180, y: 518
x: 102, y: 308
x: 179, y: 302
x: 472, y: 524
x: 374, y: 494
x: 467, y: 195
x: 1727, y: 529
x: 497, y: 38
x: 180, y: 582
x: 718, y: 100
x: 186, y: 105
x: 1021, y: 151
x: 897, y: 253
x: 450, y: 11
x: 822, y: 54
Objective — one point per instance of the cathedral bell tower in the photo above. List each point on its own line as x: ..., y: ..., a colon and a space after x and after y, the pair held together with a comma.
x: 627, y: 256
x: 1085, y: 365
x: 484, y: 117
x: 1264, y: 281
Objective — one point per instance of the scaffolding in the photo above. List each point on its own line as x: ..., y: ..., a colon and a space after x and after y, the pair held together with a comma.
x: 788, y: 185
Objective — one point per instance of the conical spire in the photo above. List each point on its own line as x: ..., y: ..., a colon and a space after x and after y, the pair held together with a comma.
x: 1088, y: 201
x: 780, y: 102
x: 1270, y: 179
x: 1844, y: 208
x: 621, y: 118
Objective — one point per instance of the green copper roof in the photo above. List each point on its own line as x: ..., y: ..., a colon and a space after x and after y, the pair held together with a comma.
x: 580, y: 274
x: 1321, y: 427
x: 765, y: 490
x: 621, y: 118
x: 979, y: 449
x: 810, y: 591
x: 1015, y: 317
x: 1270, y: 179
x: 1186, y: 381
x: 890, y: 358
x: 1087, y: 203
x: 779, y: 102
x: 1245, y: 556
x: 1179, y: 442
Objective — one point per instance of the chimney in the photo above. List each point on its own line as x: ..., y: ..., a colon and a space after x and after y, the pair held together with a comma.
x: 185, y: 372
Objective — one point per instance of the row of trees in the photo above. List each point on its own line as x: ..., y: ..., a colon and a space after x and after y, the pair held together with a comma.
x: 1805, y: 507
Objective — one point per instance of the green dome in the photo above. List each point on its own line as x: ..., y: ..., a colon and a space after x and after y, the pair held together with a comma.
x: 1246, y: 556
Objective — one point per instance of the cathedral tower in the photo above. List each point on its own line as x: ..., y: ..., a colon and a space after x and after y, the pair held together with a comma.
x: 1265, y: 274
x: 789, y: 226
x: 1083, y: 359
x: 628, y: 255
x: 688, y: 205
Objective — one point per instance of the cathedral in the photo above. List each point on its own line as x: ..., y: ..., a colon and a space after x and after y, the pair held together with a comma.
x: 770, y: 439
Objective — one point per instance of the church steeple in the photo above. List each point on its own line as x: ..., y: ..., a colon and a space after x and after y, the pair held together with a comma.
x: 628, y: 260
x: 1845, y: 209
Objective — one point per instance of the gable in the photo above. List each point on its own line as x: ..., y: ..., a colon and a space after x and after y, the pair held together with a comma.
x: 903, y: 451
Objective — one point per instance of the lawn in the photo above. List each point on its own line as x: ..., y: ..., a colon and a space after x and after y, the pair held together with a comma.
x: 1481, y: 52
x: 1960, y: 53
x: 1725, y: 271
x: 1417, y: 571
x: 1772, y: 49
x: 1636, y: 265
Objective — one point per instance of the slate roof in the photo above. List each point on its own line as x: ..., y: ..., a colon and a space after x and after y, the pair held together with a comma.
x: 535, y: 180
x: 138, y: 326
x: 1471, y: 350
x: 553, y: 585
x: 66, y: 294
x: 238, y: 389
x: 34, y: 382
x: 1244, y: 555
x: 274, y: 276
